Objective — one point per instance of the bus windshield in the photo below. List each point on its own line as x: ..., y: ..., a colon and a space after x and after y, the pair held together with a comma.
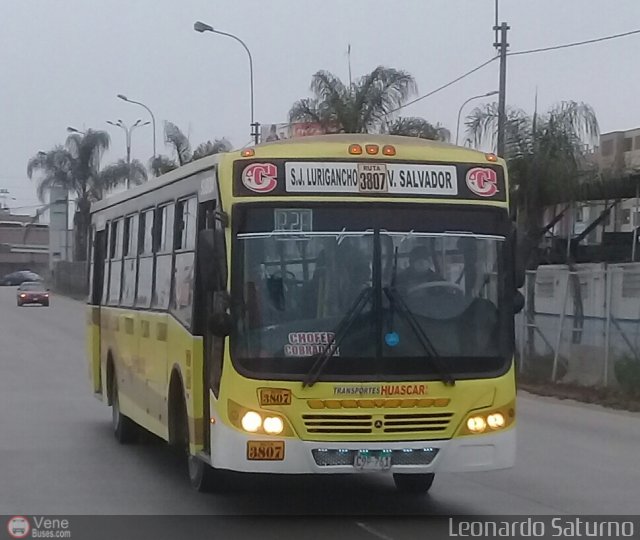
x: 295, y: 285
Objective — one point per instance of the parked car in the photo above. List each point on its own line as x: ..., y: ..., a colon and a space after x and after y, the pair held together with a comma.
x: 16, y: 278
x: 32, y: 292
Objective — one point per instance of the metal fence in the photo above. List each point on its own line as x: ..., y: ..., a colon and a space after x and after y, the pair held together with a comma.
x: 580, y: 325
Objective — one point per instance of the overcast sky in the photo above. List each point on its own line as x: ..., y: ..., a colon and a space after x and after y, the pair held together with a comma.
x: 64, y: 61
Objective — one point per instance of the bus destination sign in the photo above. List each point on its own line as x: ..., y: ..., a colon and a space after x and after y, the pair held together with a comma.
x: 390, y: 179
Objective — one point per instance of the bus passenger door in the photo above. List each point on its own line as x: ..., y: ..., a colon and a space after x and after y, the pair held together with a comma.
x: 211, y: 298
x: 96, y: 282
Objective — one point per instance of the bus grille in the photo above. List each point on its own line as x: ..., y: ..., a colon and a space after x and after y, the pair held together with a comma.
x: 338, y: 423
x: 414, y: 423
x: 400, y: 423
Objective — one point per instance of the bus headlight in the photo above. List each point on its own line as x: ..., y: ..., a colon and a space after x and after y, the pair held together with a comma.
x: 476, y: 424
x: 273, y: 425
x: 257, y: 421
x: 495, y: 420
x: 251, y: 421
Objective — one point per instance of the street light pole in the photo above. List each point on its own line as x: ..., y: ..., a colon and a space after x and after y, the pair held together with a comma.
x: 153, y: 118
x: 492, y: 93
x: 128, y: 131
x: 201, y: 27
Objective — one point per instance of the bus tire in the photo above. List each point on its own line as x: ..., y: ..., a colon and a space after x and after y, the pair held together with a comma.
x: 202, y: 476
x: 124, y: 428
x: 413, y: 483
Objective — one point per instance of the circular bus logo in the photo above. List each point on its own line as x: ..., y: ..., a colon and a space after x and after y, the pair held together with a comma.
x: 18, y: 527
x: 482, y: 181
x: 260, y: 177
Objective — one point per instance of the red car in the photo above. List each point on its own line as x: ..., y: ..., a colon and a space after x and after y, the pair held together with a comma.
x: 31, y: 292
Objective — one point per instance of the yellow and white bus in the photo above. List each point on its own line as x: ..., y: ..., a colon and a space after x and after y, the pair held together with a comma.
x: 332, y: 304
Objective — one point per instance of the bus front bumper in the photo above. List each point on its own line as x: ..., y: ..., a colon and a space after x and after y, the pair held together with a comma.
x: 463, y: 454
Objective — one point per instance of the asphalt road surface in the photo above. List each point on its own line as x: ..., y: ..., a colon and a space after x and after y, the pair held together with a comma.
x: 58, y: 455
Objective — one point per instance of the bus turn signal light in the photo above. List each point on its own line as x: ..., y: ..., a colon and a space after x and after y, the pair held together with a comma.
x: 491, y: 157
x: 389, y: 150
x: 355, y: 149
x: 372, y: 149
x: 248, y: 152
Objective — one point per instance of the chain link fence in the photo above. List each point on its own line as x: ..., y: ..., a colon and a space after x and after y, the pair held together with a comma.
x: 581, y: 325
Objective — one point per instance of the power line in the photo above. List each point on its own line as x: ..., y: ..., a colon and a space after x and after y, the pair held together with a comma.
x: 574, y: 44
x: 516, y: 53
x: 445, y: 85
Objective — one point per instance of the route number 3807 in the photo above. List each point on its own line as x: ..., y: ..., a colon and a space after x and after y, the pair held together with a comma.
x: 372, y: 178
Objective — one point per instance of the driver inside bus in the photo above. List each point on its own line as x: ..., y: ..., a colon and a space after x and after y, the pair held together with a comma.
x: 420, y: 270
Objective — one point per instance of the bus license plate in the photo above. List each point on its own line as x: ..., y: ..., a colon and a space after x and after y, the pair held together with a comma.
x: 372, y: 178
x: 372, y: 461
x: 265, y: 450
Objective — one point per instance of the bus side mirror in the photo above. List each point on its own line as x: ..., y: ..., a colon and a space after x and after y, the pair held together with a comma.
x: 221, y: 324
x: 518, y: 302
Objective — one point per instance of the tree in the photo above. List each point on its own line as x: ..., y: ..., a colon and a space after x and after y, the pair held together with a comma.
x: 419, y: 127
x: 363, y: 106
x: 179, y: 143
x: 75, y: 167
x: 546, y: 156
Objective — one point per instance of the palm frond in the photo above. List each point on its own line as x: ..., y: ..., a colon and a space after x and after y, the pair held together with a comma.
x: 178, y: 141
x: 305, y: 110
x: 162, y: 164
x: 419, y: 127
x: 55, y: 168
x: 379, y: 93
x: 210, y: 148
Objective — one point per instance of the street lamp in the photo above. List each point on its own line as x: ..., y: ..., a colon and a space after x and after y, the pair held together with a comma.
x: 128, y: 131
x: 492, y: 93
x: 203, y: 27
x: 74, y: 130
x: 153, y: 118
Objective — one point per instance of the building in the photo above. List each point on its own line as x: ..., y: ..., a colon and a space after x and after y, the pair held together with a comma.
x: 616, y: 156
x: 24, y: 244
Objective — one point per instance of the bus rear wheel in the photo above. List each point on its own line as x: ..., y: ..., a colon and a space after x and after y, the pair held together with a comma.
x: 124, y: 428
x: 413, y: 483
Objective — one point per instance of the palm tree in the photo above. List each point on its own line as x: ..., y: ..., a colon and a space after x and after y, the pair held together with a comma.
x: 546, y: 156
x: 179, y: 143
x: 419, y: 127
x: 363, y: 106
x: 75, y: 167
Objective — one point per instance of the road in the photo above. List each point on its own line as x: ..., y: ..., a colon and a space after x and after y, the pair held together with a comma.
x: 58, y: 455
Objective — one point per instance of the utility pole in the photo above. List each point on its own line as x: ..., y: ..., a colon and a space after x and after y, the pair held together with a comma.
x: 502, y: 97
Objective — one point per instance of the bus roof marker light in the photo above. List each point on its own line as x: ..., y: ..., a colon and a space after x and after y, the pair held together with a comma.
x: 248, y: 152
x: 491, y: 157
x: 355, y: 149
x: 389, y: 150
x: 372, y: 149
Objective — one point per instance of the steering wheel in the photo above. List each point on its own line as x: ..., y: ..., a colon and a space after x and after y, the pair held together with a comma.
x: 288, y: 277
x: 454, y: 287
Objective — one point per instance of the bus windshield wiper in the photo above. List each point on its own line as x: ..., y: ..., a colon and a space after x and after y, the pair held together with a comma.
x: 410, y: 318
x: 338, y: 335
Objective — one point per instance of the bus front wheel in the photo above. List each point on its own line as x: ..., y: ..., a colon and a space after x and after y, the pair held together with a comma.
x: 124, y: 428
x: 413, y: 483
x: 202, y: 476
